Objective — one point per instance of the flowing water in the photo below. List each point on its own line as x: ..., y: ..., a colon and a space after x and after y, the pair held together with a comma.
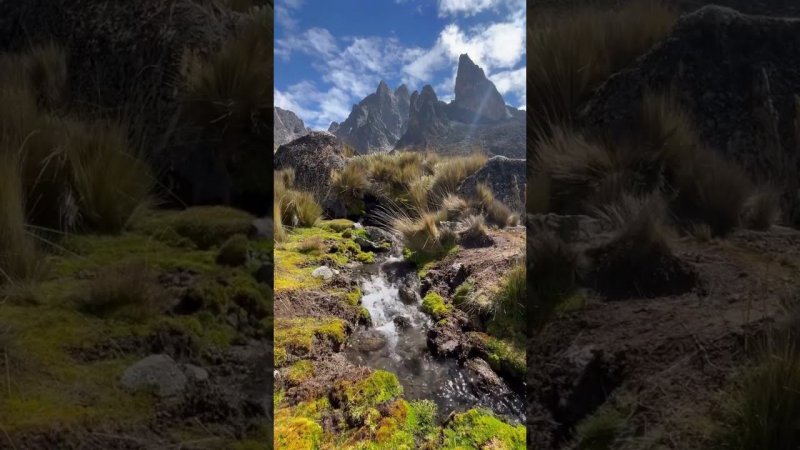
x: 406, y: 354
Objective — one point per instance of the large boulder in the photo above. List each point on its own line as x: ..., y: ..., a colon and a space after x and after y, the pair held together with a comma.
x: 314, y: 157
x: 506, y: 177
x: 736, y: 75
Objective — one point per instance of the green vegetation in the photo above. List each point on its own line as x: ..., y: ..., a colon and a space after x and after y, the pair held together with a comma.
x: 300, y: 371
x: 234, y: 251
x: 434, y: 305
x: 476, y: 429
x: 129, y: 290
x: 299, y: 335
x: 552, y: 267
x: 424, y: 236
x: 607, y: 427
x: 360, y: 399
x: 497, y: 213
x: 202, y: 226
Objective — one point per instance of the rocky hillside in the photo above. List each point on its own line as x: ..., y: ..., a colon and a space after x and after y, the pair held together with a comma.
x: 287, y: 127
x: 661, y: 200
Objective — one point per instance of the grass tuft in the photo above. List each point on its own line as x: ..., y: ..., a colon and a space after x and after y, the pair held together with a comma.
x: 130, y: 288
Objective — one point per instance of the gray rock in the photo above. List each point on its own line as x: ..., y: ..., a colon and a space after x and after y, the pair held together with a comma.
x: 313, y: 157
x: 408, y: 295
x: 376, y: 122
x: 369, y: 246
x: 476, y: 95
x: 483, y: 380
x: 158, y: 372
x: 195, y: 373
x: 401, y: 322
x: 323, y: 272
x: 287, y: 127
x: 506, y: 177
x: 369, y: 341
x: 261, y: 228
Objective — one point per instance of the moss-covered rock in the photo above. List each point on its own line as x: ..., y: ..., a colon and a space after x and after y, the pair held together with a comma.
x: 233, y: 252
x: 360, y: 399
x: 434, y: 305
x: 204, y: 226
x: 300, y: 371
x: 299, y: 335
x: 298, y: 433
x: 478, y: 429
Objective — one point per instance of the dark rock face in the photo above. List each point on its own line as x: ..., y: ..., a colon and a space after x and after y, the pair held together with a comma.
x: 313, y: 157
x: 737, y: 76
x: 287, y: 127
x: 427, y: 122
x: 377, y: 122
x: 506, y: 178
x: 476, y: 95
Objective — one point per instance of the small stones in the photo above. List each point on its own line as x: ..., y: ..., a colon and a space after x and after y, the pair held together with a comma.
x: 323, y: 272
x: 157, y: 372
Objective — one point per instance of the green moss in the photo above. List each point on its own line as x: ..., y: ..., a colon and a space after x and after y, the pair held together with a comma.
x: 359, y: 397
x: 299, y: 335
x: 278, y: 398
x: 298, y: 433
x: 280, y: 356
x: 364, y: 316
x: 366, y: 257
x: 434, y: 305
x: 477, y: 429
x: 425, y: 261
x: 463, y: 293
x: 205, y: 226
x: 234, y: 251
x: 337, y: 225
x: 353, y: 297
x: 506, y: 358
x: 300, y: 371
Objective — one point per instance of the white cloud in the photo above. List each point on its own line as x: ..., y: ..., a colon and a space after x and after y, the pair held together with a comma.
x: 314, y: 41
x: 467, y: 7
x: 510, y: 81
x: 284, y: 14
x: 317, y: 108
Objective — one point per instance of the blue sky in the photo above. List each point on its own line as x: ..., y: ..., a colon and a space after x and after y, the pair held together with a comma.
x: 329, y: 54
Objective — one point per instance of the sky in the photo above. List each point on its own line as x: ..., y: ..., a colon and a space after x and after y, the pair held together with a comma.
x: 330, y: 54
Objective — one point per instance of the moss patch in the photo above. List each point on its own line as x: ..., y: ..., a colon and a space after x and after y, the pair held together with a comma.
x: 203, y: 226
x: 361, y: 398
x: 300, y: 371
x: 506, y: 358
x: 478, y: 429
x: 299, y: 335
x: 434, y: 305
x: 298, y: 433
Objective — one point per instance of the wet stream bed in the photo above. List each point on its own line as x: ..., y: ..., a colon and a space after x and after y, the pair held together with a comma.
x: 397, y: 342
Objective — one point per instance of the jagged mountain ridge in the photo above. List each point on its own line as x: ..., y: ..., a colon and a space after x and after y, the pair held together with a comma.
x: 287, y: 127
x: 476, y: 119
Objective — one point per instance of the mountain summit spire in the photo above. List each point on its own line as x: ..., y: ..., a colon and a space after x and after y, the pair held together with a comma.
x: 476, y: 94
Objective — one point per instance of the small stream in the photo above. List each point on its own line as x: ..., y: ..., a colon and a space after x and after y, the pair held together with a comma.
x: 404, y: 352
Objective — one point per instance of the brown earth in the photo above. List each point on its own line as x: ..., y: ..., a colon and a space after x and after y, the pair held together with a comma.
x: 674, y: 353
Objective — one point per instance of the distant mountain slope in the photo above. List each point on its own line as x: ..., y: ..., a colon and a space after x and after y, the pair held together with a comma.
x: 288, y: 127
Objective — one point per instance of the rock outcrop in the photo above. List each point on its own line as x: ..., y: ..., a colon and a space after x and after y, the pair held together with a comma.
x: 476, y: 98
x: 313, y: 157
x: 736, y: 75
x: 506, y: 178
x: 287, y: 127
x: 377, y: 122
x: 427, y: 122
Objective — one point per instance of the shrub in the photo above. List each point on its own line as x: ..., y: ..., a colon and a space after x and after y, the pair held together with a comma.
x: 130, y: 290
x: 234, y: 251
x: 569, y: 55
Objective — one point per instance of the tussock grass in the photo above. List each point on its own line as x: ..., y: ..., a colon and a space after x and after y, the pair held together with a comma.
x: 231, y: 85
x: 424, y: 235
x: 569, y: 55
x: 454, y: 207
x: 508, y: 307
x: 19, y: 255
x: 41, y: 70
x: 234, y: 251
x: 130, y: 288
x: 474, y: 231
x: 552, y: 268
x: 764, y: 409
x: 451, y: 172
x: 762, y: 209
x: 350, y: 184
x: 496, y: 212
x: 291, y: 207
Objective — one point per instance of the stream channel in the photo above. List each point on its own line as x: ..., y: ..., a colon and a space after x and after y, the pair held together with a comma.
x: 403, y: 350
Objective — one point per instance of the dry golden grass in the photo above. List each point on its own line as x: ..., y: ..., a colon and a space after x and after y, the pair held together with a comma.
x: 19, y: 255
x: 569, y: 55
x: 131, y: 288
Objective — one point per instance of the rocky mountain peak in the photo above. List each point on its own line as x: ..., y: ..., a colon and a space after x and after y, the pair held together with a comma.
x: 477, y: 95
x: 287, y: 127
x: 377, y: 122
